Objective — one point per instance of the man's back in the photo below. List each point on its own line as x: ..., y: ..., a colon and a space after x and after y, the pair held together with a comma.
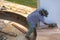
x: 34, y: 17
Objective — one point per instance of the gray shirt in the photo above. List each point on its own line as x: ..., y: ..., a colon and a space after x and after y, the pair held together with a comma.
x: 35, y: 17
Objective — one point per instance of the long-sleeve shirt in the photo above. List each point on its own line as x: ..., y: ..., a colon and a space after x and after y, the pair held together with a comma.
x: 35, y: 17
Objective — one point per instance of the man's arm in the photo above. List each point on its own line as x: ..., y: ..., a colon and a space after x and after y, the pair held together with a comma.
x: 43, y: 21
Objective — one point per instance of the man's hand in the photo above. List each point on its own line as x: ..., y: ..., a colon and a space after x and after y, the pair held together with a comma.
x: 52, y: 25
x: 46, y: 23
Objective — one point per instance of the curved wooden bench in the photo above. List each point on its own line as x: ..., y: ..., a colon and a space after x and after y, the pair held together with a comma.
x: 18, y: 21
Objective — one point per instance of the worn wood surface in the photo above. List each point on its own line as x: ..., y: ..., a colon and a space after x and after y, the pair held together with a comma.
x: 48, y: 34
x: 42, y: 34
x: 12, y: 30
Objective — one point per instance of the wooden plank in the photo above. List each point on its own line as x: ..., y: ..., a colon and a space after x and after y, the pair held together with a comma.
x: 17, y: 8
x: 48, y: 34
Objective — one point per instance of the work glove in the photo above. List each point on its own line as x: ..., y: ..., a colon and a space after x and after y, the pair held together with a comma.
x: 52, y: 25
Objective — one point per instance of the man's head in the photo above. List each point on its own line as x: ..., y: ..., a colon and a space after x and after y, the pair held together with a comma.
x: 43, y: 12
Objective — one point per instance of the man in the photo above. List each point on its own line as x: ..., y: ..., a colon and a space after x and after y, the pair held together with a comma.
x: 34, y: 18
